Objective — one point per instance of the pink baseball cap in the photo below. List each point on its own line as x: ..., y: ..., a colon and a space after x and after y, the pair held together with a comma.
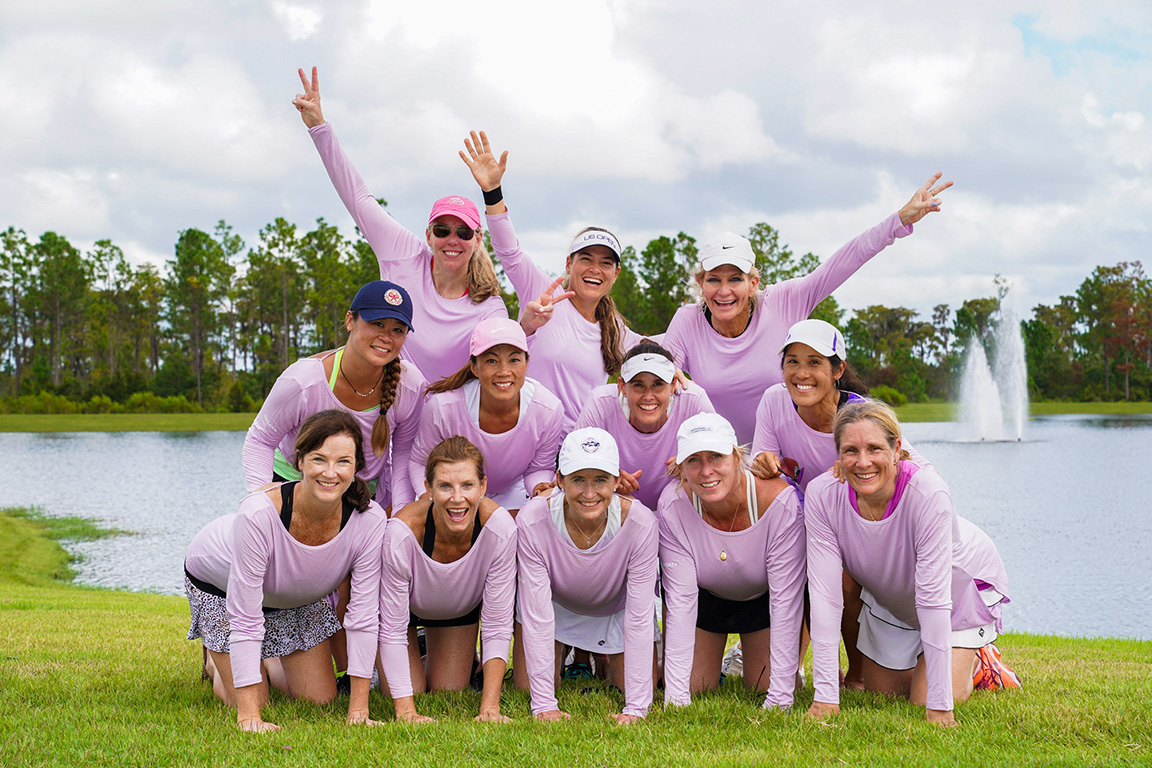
x: 495, y: 331
x: 460, y: 207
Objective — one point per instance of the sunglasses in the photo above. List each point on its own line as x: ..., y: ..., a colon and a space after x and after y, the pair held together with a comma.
x: 463, y: 232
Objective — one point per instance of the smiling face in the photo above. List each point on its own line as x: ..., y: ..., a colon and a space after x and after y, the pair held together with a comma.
x: 327, y: 472
x: 728, y: 292
x: 451, y: 252
x: 378, y: 342
x: 587, y: 493
x: 869, y: 462
x: 711, y: 476
x: 647, y: 396
x: 501, y: 371
x: 592, y: 273
x: 456, y: 490
x: 809, y: 375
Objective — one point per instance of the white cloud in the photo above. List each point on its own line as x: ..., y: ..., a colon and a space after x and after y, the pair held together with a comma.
x: 299, y: 21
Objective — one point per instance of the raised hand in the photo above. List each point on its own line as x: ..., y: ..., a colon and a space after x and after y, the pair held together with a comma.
x: 309, y: 102
x: 486, y: 169
x: 923, y: 201
x: 539, y: 312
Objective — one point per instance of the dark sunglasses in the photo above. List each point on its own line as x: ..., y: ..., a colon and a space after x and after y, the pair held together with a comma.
x: 463, y: 231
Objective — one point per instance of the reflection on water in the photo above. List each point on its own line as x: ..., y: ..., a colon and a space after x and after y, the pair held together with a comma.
x: 1065, y: 507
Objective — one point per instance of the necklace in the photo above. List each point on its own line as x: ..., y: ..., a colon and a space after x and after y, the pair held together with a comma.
x: 588, y: 537
x: 723, y: 551
x: 362, y: 394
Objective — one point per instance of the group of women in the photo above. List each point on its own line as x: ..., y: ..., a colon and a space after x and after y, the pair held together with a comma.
x: 418, y: 477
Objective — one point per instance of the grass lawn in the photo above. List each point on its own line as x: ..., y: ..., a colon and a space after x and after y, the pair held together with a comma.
x: 98, y: 677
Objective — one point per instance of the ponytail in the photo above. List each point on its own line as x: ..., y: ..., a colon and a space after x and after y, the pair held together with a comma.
x: 388, y: 386
x: 482, y: 281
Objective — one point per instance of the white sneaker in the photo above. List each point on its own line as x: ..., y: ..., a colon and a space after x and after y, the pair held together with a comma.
x: 733, y: 663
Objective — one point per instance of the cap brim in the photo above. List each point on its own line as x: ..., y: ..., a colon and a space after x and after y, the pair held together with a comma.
x: 372, y: 315
x: 717, y: 445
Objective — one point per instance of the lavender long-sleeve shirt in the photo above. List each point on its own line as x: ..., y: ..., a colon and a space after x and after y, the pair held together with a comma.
x: 768, y: 557
x: 524, y: 454
x: 600, y: 582
x: 781, y: 430
x: 253, y: 559
x: 412, y: 581
x: 565, y: 352
x: 735, y: 372
x: 645, y: 451
x: 909, y: 561
x: 442, y: 327
x: 301, y: 391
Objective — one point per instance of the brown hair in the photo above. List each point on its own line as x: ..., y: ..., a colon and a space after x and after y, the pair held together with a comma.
x: 458, y: 379
x: 389, y: 383
x: 320, y: 426
x: 451, y: 451
x: 647, y: 346
x: 875, y: 411
x: 609, y: 319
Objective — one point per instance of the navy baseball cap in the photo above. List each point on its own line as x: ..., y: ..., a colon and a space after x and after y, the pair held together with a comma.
x: 380, y: 299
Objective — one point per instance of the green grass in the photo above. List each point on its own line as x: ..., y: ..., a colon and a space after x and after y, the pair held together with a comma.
x: 97, y: 677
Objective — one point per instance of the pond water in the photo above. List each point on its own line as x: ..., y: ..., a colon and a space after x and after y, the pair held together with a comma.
x: 1066, y: 507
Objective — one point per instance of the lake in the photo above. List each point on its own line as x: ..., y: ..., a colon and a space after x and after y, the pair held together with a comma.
x: 1066, y: 507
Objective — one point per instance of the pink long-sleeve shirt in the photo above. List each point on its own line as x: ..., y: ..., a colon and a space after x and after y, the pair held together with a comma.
x: 412, y: 581
x: 301, y: 391
x: 645, y: 451
x: 735, y: 372
x: 253, y: 559
x: 598, y: 582
x: 780, y: 429
x: 442, y: 327
x: 524, y: 454
x: 909, y: 561
x: 565, y: 352
x: 768, y: 557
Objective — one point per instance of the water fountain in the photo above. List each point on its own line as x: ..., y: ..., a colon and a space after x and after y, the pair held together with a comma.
x: 994, y: 399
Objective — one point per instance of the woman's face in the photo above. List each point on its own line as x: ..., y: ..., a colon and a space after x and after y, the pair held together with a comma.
x: 647, y: 396
x: 327, y: 472
x: 456, y: 491
x: 501, y: 371
x: 711, y: 476
x: 868, y: 461
x: 378, y: 342
x: 592, y: 272
x: 809, y: 375
x: 587, y: 492
x: 728, y: 292
x: 451, y: 251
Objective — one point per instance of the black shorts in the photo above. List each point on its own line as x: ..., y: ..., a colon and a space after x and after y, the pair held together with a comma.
x: 472, y: 617
x: 731, y: 617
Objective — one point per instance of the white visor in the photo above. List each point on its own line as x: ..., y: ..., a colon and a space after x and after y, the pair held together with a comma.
x: 657, y: 365
x: 596, y: 237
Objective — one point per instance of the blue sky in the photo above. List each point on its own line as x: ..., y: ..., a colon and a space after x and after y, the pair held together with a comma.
x: 134, y: 120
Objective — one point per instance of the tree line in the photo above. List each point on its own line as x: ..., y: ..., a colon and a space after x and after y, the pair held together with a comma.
x: 215, y: 325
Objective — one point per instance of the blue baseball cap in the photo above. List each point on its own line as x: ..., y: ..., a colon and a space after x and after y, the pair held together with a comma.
x: 380, y: 299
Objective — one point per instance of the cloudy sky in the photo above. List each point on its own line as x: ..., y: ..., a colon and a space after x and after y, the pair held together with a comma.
x: 135, y: 119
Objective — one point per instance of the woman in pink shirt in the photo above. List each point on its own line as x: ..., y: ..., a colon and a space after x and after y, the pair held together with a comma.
x: 514, y: 420
x: 732, y: 562
x: 258, y: 581
x: 365, y: 378
x: 642, y: 411
x: 576, y: 335
x: 450, y: 567
x: 447, y: 270
x: 586, y: 559
x: 728, y: 342
x: 933, y: 589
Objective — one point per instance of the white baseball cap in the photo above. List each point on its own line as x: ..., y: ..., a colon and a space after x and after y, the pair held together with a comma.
x: 823, y: 337
x: 704, y: 432
x: 589, y: 448
x: 727, y: 248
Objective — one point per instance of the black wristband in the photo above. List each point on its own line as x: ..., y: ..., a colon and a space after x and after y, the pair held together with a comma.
x: 493, y: 196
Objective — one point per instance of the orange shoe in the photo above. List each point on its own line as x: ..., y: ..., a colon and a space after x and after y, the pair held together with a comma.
x: 992, y: 674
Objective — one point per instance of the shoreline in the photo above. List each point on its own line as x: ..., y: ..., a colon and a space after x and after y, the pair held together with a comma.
x: 239, y: 422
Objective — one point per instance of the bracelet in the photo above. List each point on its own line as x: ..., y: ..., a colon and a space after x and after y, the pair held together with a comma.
x: 493, y: 196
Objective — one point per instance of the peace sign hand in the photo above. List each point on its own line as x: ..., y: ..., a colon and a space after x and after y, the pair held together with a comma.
x: 309, y: 102
x: 539, y: 312
x: 923, y: 201
x: 486, y: 169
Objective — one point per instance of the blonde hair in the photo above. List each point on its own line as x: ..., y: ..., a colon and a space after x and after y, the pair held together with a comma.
x: 875, y: 411
x: 696, y: 286
x: 607, y: 317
